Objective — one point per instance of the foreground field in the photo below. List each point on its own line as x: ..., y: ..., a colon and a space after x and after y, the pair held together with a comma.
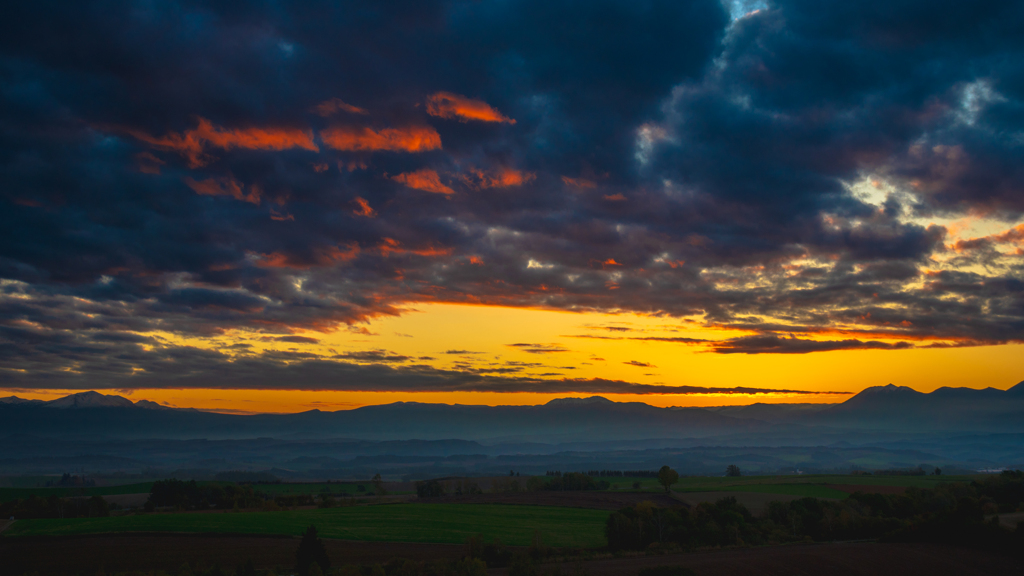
x: 840, y: 559
x: 117, y: 553
x: 438, y: 523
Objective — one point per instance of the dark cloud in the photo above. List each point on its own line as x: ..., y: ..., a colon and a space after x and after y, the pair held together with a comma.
x: 640, y: 364
x: 538, y: 348
x: 187, y: 367
x: 374, y: 356
x: 771, y: 344
x: 297, y: 339
x: 200, y: 167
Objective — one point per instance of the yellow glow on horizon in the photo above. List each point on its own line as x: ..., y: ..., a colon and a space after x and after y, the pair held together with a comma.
x: 482, y: 338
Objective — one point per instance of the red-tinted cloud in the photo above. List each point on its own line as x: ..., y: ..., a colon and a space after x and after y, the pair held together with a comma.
x: 334, y: 105
x: 191, y: 143
x: 391, y: 246
x: 148, y: 164
x: 578, y: 182
x: 409, y: 139
x: 224, y: 187
x: 500, y: 178
x: 456, y: 107
x: 320, y: 257
x: 364, y: 208
x: 424, y: 179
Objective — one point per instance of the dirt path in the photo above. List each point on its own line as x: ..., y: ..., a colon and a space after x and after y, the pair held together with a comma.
x: 1008, y: 520
x: 5, y: 524
x: 850, y: 559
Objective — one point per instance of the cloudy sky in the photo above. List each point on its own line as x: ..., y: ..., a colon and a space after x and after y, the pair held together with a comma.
x: 276, y: 205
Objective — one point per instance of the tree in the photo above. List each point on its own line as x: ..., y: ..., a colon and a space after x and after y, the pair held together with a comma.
x: 733, y: 470
x: 667, y: 477
x: 246, y: 569
x: 311, y: 551
x: 378, y: 485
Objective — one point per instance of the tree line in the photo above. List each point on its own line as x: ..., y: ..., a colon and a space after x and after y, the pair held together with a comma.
x: 55, y: 507
x: 613, y: 473
x: 950, y: 513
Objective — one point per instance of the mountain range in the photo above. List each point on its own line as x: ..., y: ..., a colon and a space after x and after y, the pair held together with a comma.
x: 884, y: 410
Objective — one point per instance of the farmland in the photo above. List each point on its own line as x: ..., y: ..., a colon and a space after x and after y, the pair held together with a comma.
x: 7, y: 494
x: 439, y: 523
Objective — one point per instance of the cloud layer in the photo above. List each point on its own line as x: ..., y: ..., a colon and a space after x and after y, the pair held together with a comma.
x: 804, y: 172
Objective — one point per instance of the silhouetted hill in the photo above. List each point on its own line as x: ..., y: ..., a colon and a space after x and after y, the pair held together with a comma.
x: 588, y: 420
x: 882, y: 409
x: 90, y: 400
x: 946, y: 409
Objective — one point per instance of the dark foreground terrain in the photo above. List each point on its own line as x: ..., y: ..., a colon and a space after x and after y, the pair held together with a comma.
x: 145, y: 552
x: 844, y: 559
x: 120, y: 553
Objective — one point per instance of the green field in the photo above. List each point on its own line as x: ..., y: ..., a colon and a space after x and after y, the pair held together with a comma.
x: 336, y: 489
x: 295, y: 488
x: 813, y: 485
x: 808, y: 490
x: 437, y: 523
x: 7, y: 494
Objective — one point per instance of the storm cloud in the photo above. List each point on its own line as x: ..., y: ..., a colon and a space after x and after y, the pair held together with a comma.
x: 198, y: 167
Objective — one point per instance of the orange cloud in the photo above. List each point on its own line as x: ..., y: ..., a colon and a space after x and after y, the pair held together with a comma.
x: 190, y: 143
x: 148, y: 164
x: 391, y: 246
x: 224, y: 187
x: 1012, y: 236
x: 500, y: 178
x: 424, y: 179
x: 320, y: 257
x: 332, y: 106
x: 578, y: 182
x: 364, y: 208
x: 455, y: 107
x: 411, y: 139
x: 615, y: 198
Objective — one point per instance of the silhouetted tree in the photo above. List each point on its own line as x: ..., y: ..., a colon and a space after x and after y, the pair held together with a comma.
x: 733, y: 470
x: 667, y: 477
x: 246, y: 569
x: 378, y: 485
x: 311, y: 551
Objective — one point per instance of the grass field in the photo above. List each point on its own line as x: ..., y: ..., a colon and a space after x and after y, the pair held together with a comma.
x: 7, y: 494
x: 807, y: 485
x: 813, y: 485
x: 294, y: 488
x: 811, y: 490
x: 437, y: 523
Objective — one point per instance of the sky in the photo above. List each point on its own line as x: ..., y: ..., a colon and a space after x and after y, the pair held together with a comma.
x: 279, y: 206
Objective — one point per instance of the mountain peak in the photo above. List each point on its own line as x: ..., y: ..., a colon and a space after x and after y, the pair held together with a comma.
x: 90, y: 399
x: 593, y: 400
x: 16, y: 400
x: 889, y: 389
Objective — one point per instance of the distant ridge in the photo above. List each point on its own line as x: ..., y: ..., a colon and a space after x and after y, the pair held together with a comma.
x: 879, y: 409
x: 580, y: 401
x: 90, y: 400
x: 16, y: 400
